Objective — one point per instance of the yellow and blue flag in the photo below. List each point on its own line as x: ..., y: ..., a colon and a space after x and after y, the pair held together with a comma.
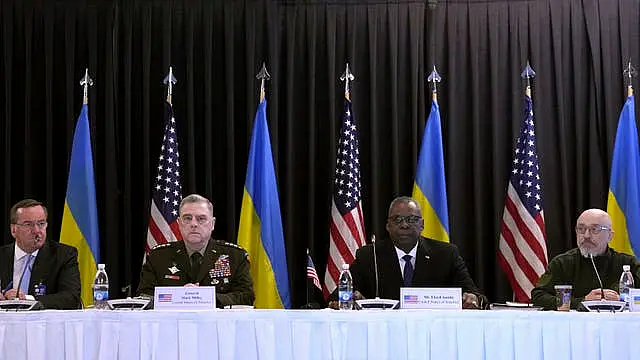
x: 80, y: 217
x: 430, y: 187
x: 260, y: 230
x: 623, y: 203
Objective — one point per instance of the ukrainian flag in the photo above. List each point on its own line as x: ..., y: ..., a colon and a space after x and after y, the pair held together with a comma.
x: 623, y: 204
x: 430, y: 188
x: 260, y: 231
x: 80, y: 217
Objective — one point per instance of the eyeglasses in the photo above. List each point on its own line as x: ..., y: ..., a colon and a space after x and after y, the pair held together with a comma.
x: 200, y: 219
x: 31, y: 224
x: 593, y: 229
x: 410, y: 219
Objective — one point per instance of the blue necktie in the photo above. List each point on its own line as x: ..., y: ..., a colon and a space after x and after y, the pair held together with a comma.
x: 407, y: 273
x: 26, y: 274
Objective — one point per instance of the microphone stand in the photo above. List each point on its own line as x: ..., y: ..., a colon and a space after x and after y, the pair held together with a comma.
x: 593, y: 263
x: 377, y: 303
x: 602, y: 304
x: 18, y: 304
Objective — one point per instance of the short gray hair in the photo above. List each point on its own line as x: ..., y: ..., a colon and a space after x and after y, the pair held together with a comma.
x: 195, y: 199
x: 403, y: 199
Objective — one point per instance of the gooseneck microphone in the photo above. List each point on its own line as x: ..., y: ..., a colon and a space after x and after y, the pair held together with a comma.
x: 377, y: 303
x: 375, y: 265
x: 598, y: 276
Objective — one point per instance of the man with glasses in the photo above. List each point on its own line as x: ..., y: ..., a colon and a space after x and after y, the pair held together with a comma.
x: 199, y: 260
x: 410, y: 260
x: 32, y: 267
x: 574, y: 267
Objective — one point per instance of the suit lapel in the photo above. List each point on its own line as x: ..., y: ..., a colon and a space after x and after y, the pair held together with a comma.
x: 424, y: 263
x: 40, y: 265
x: 208, y: 261
x: 389, y: 270
x: 6, y: 258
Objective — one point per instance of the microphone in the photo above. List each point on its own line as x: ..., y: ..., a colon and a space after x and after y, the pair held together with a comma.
x: 598, y: 276
x: 602, y: 304
x: 377, y: 303
x: 375, y: 265
x: 127, y: 289
x: 17, y: 304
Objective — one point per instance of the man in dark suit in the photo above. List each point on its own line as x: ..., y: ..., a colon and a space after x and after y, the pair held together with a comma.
x: 410, y: 260
x: 199, y: 259
x: 33, y: 267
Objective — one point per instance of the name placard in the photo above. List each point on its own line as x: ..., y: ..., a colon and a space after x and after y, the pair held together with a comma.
x: 431, y: 298
x: 184, y: 298
x: 634, y: 300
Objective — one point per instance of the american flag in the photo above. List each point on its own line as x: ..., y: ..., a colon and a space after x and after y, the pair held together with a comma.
x: 522, y: 250
x: 347, y: 222
x: 165, y: 297
x: 312, y: 273
x: 167, y: 192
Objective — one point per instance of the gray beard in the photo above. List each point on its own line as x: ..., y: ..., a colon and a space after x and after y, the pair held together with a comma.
x: 585, y: 253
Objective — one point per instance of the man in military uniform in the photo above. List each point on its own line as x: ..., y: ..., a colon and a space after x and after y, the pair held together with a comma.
x: 199, y: 259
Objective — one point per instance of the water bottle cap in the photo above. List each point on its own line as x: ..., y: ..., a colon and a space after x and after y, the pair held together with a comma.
x: 100, y: 266
x: 626, y: 267
x: 345, y: 266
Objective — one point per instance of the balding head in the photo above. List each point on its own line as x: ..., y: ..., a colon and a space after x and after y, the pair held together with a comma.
x: 593, y: 232
x: 595, y: 216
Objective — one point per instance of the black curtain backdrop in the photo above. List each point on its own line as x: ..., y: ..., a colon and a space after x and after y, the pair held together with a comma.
x: 578, y: 49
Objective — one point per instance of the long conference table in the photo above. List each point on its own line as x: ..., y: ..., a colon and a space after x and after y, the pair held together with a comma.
x: 318, y: 334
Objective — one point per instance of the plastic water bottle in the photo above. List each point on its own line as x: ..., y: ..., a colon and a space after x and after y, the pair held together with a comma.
x: 101, y: 289
x: 345, y: 289
x: 626, y: 283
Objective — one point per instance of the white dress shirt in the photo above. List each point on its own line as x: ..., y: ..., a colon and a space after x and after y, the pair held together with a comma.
x: 401, y: 253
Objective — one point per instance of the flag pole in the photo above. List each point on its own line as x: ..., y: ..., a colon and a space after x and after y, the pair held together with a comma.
x: 85, y: 83
x: 170, y: 80
x: 347, y: 77
x: 434, y: 78
x: 528, y: 74
x: 263, y: 76
x: 629, y: 73
x: 306, y: 286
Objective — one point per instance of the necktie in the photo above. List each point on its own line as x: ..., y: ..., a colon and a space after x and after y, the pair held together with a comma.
x: 196, y: 259
x: 26, y: 274
x: 407, y: 273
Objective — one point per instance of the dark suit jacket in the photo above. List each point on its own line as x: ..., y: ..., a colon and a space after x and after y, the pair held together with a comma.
x: 56, y: 267
x: 438, y: 264
x: 224, y: 265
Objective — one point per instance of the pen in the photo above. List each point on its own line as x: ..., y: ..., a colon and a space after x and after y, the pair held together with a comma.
x: 8, y: 287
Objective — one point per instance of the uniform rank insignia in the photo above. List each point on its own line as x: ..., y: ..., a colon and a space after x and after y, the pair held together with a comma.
x: 222, y: 267
x: 174, y: 269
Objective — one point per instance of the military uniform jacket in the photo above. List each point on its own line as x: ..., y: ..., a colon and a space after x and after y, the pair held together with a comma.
x: 224, y: 265
x: 571, y: 268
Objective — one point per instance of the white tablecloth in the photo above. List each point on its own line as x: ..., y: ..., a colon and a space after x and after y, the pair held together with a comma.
x: 320, y: 334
